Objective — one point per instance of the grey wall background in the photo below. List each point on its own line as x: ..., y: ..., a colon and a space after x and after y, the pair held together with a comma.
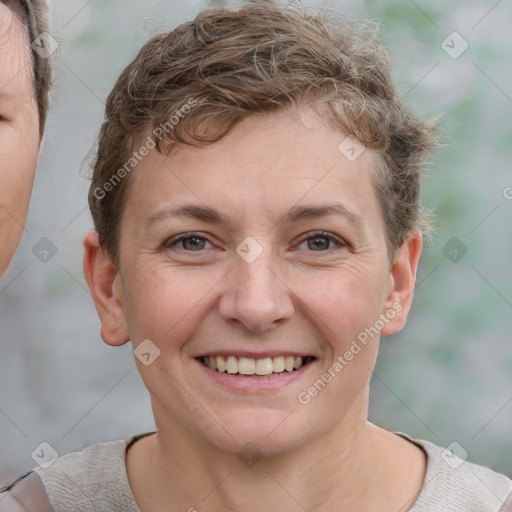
x: 446, y: 377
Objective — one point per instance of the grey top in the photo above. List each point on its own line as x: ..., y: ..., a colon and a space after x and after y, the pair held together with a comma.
x: 95, y: 480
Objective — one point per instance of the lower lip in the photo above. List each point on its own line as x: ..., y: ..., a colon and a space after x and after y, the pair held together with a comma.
x: 253, y: 383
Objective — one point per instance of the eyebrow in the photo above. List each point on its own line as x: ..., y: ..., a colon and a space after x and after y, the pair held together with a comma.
x: 295, y: 214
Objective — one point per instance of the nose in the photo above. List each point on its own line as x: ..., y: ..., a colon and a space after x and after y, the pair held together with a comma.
x: 256, y: 296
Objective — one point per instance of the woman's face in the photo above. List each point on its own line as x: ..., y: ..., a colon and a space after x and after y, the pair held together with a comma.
x: 259, y: 284
x: 19, y: 132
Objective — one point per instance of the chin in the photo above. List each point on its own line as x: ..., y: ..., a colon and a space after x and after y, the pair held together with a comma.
x: 267, y: 432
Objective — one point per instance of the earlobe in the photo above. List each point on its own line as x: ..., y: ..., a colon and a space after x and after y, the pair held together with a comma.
x: 104, y: 284
x: 402, y: 283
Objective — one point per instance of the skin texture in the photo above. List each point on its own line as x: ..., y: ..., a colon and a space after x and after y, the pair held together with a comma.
x: 294, y: 296
x: 19, y: 133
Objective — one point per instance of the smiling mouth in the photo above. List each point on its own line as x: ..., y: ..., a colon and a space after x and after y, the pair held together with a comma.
x: 246, y: 366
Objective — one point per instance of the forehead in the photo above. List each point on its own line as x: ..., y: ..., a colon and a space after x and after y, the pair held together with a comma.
x: 16, y: 72
x: 264, y: 167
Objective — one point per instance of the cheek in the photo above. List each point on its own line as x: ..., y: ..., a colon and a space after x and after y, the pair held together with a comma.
x: 18, y: 161
x: 344, y: 301
x: 344, y: 309
x: 164, y: 305
x: 19, y: 152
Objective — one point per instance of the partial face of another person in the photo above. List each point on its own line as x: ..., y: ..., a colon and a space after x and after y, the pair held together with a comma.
x: 19, y: 132
x: 298, y: 284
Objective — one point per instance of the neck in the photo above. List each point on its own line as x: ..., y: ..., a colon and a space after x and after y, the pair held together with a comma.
x: 351, y: 467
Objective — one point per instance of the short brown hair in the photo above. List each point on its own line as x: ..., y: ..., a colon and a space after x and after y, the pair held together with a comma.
x: 33, y: 14
x: 260, y: 58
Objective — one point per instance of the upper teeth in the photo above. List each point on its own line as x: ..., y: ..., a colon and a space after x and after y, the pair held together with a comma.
x: 249, y: 366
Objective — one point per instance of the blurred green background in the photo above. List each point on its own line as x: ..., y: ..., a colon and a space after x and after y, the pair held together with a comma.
x: 446, y: 377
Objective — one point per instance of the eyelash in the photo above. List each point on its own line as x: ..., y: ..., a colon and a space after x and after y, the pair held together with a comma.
x: 316, y: 234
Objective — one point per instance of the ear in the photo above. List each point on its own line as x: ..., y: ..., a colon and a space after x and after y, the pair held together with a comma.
x: 104, y: 284
x: 402, y: 282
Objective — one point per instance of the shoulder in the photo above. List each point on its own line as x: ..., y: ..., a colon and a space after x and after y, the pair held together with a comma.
x: 85, y: 481
x: 455, y: 484
x: 25, y: 494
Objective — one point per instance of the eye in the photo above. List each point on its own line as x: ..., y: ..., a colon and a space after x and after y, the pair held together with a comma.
x: 320, y: 240
x: 191, y: 242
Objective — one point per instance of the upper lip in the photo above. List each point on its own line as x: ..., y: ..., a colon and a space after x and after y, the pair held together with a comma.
x: 255, y: 355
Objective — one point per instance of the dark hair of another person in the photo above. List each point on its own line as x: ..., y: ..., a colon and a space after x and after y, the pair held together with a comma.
x: 33, y: 14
